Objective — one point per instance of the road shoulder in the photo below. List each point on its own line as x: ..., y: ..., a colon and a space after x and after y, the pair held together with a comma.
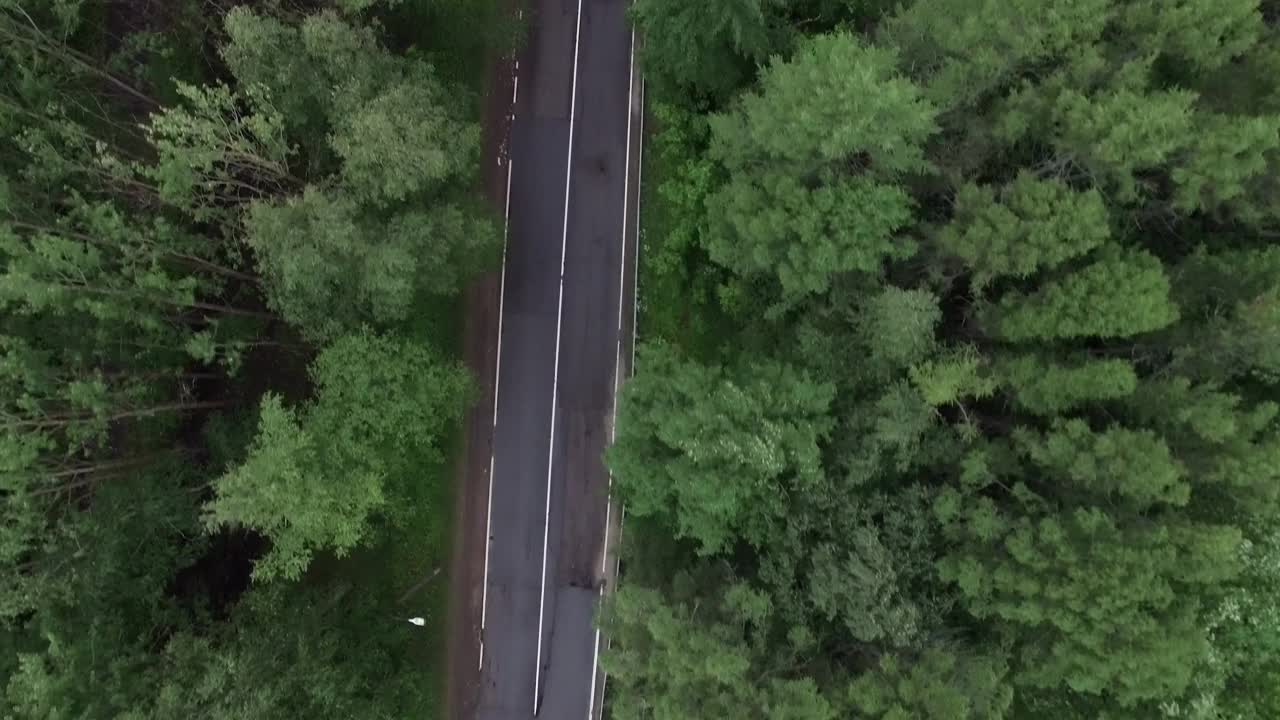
x: 479, y: 348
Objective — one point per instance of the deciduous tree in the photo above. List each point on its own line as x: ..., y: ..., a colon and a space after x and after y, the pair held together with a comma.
x: 317, y: 479
x: 715, y: 452
x: 806, y: 203
x: 707, y: 49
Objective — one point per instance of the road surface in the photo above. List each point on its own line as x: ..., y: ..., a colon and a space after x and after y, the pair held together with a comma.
x: 564, y: 334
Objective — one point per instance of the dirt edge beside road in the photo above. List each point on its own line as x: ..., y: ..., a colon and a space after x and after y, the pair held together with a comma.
x: 479, y: 347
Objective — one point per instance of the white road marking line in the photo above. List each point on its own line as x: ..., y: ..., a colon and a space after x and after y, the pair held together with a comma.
x: 635, y: 268
x: 555, y: 379
x: 617, y: 572
x: 497, y: 376
x: 622, y: 266
x: 617, y: 366
x: 635, y: 289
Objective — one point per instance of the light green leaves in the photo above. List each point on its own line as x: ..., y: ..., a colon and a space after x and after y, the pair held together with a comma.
x: 838, y: 100
x: 1123, y: 293
x: 942, y: 683
x: 716, y: 452
x: 403, y: 141
x: 810, y: 156
x: 899, y: 326
x: 218, y: 146
x: 316, y: 479
x: 275, y: 492
x: 1031, y: 225
x: 952, y: 377
x: 776, y: 224
x: 1050, y: 388
x: 330, y: 266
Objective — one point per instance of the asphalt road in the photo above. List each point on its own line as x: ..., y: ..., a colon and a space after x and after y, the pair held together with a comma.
x: 565, y: 328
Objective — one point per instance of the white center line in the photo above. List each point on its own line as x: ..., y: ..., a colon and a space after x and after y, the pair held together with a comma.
x: 497, y: 370
x: 497, y: 374
x: 555, y: 379
x: 635, y: 267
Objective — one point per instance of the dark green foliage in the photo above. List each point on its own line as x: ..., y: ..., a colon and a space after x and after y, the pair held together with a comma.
x: 1105, y: 607
x: 1034, y: 225
x: 1121, y: 295
x: 315, y: 480
x: 99, y: 584
x: 965, y: 49
x: 712, y: 664
x: 755, y: 430
x: 172, y: 176
x: 1029, y: 247
x: 940, y: 683
x: 1245, y: 626
x: 333, y: 266
x: 1051, y: 389
x: 1231, y: 315
x: 287, y: 654
x: 706, y: 49
x: 807, y: 201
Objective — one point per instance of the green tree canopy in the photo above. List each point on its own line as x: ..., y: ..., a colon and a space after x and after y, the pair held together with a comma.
x: 671, y: 663
x: 706, y: 49
x: 1100, y: 602
x: 1034, y: 225
x: 331, y: 266
x: 288, y: 653
x: 940, y: 683
x: 716, y: 451
x: 1121, y: 294
x: 316, y: 479
x: 811, y: 200
x: 1028, y: 247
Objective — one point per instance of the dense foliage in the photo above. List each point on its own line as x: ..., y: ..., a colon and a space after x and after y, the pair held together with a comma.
x: 960, y: 397
x: 230, y: 240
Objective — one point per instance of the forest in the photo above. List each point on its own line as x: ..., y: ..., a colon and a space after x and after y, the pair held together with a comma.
x: 232, y: 236
x: 958, y: 389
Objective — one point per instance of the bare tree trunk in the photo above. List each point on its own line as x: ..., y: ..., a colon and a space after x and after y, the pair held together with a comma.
x: 211, y: 307
x: 183, y: 258
x: 421, y: 584
x: 31, y: 35
x: 212, y: 267
x: 102, y: 466
x: 59, y: 421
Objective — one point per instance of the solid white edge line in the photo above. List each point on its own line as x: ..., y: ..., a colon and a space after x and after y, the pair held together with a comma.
x: 617, y: 365
x: 617, y: 572
x: 497, y: 377
x: 635, y: 288
x: 555, y: 378
x: 635, y: 268
x: 622, y: 266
